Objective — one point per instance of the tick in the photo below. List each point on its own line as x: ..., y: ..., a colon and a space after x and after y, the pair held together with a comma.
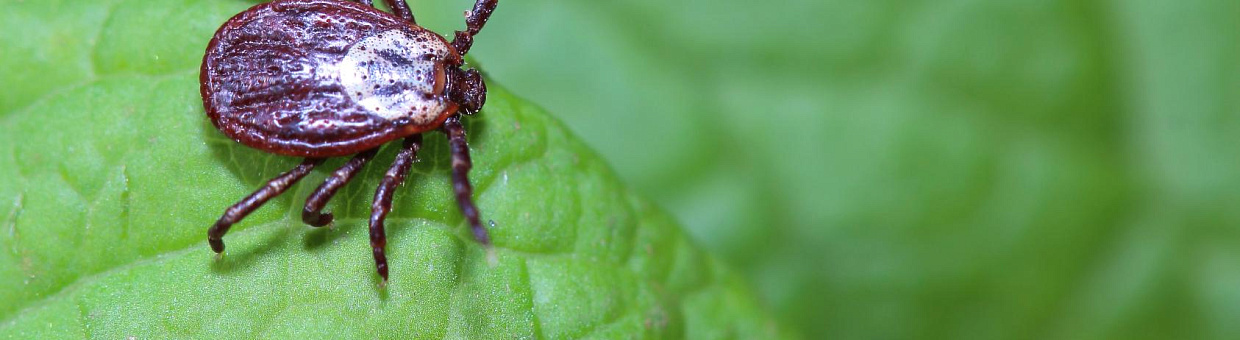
x: 328, y: 78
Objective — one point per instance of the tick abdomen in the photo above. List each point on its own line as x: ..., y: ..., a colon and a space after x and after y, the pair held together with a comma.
x: 308, y: 74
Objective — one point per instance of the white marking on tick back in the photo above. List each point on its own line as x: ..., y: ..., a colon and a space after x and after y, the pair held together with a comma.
x: 392, y: 75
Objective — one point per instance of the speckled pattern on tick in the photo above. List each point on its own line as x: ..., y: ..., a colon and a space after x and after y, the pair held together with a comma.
x: 327, y: 78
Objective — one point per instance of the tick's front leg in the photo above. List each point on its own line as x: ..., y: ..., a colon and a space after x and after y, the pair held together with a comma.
x: 460, y: 178
x: 474, y: 20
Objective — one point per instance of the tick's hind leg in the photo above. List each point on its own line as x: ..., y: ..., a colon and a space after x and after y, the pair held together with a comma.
x: 274, y: 188
x: 311, y: 214
x: 474, y: 20
x: 460, y: 178
x: 383, y: 199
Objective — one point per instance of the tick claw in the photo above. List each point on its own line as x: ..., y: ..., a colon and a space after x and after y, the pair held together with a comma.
x: 217, y: 245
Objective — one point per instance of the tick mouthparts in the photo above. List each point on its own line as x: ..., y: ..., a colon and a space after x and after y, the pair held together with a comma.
x: 469, y: 89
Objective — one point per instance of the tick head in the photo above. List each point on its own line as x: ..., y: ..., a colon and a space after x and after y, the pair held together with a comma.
x: 467, y: 89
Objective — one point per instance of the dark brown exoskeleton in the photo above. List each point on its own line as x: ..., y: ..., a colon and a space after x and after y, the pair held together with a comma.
x: 327, y: 78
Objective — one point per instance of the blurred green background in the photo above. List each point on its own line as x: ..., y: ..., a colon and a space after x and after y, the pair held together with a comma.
x: 918, y: 169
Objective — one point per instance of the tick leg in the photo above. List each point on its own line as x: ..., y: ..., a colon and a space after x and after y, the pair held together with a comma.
x: 474, y: 20
x: 401, y: 8
x: 370, y: 3
x: 460, y: 177
x: 314, y: 204
x: 274, y: 188
x: 383, y: 199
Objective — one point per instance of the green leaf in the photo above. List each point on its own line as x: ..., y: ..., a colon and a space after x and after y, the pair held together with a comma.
x: 110, y: 174
x: 962, y: 169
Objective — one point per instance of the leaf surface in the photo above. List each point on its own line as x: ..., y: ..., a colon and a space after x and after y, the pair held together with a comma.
x: 110, y: 174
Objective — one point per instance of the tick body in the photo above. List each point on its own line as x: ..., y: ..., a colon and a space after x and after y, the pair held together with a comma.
x: 328, y: 78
